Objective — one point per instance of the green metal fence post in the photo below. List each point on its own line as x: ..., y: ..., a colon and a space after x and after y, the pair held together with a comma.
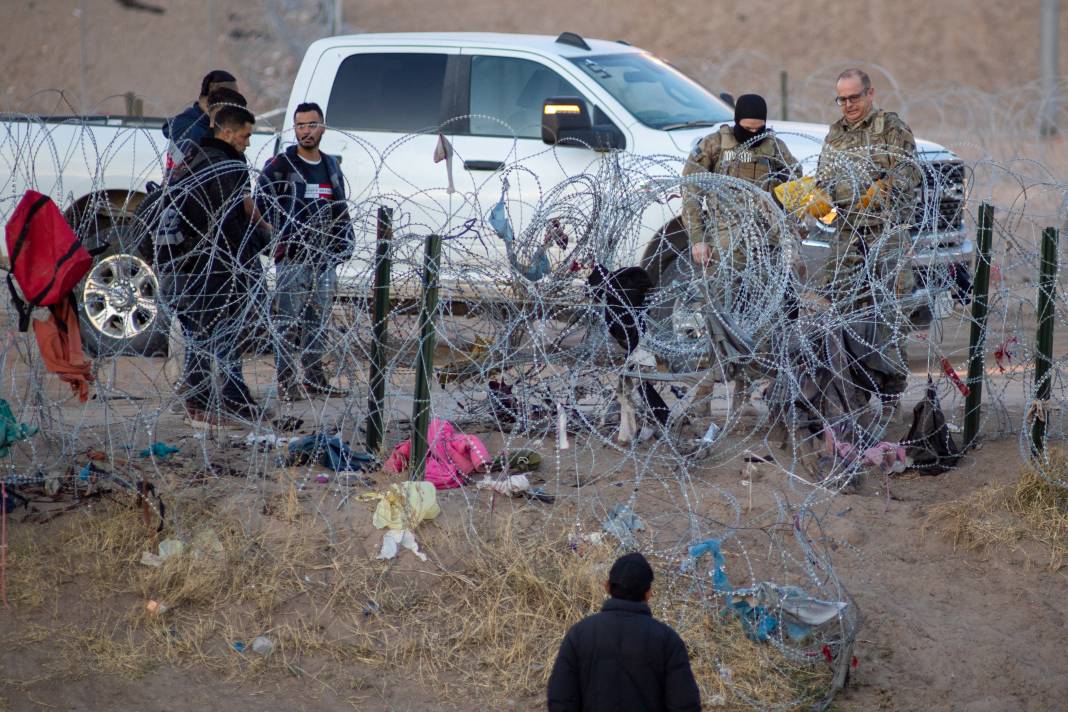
x: 377, y: 392
x: 424, y: 367
x: 1047, y: 287
x: 784, y: 81
x: 977, y: 342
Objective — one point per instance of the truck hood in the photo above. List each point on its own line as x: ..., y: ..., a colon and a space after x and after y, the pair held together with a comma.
x: 804, y: 141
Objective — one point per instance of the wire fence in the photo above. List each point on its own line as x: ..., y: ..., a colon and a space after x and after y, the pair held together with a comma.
x: 255, y: 352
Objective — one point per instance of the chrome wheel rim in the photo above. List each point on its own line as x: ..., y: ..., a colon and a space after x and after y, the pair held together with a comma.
x: 120, y: 296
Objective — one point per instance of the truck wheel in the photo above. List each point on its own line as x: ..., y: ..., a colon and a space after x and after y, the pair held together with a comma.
x: 120, y: 301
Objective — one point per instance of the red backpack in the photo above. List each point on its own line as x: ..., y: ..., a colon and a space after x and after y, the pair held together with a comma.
x: 47, y: 258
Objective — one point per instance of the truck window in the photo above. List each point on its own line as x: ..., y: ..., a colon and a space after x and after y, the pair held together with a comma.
x: 393, y: 91
x: 653, y: 91
x: 512, y: 91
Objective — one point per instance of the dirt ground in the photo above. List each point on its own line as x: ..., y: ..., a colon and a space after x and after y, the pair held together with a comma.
x: 942, y: 628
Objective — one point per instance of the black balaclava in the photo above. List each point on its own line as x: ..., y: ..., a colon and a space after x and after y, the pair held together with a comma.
x: 749, y: 106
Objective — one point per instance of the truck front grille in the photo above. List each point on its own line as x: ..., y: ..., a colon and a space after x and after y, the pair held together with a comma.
x: 941, y: 209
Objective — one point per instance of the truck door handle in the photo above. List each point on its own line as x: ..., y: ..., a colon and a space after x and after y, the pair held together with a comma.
x: 483, y: 165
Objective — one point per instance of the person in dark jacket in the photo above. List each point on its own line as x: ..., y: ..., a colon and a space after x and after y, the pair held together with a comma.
x: 189, y: 149
x: 191, y: 126
x: 215, y: 268
x: 622, y: 658
x: 302, y: 193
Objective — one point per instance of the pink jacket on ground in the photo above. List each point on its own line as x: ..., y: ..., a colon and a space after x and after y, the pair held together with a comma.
x: 451, y: 457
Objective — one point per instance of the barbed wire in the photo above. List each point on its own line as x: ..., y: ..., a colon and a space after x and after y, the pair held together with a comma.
x: 765, y: 358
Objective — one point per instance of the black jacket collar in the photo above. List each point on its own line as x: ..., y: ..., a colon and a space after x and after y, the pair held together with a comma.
x: 229, y: 151
x: 620, y: 604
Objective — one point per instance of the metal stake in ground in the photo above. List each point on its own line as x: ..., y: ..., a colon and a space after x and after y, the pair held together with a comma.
x: 424, y: 364
x: 377, y: 381
x: 977, y: 342
x: 1047, y: 289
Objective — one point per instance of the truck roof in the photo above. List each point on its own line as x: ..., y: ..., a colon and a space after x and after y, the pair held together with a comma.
x: 544, y: 44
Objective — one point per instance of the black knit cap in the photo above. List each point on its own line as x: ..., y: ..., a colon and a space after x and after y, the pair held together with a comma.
x: 750, y: 106
x: 630, y: 577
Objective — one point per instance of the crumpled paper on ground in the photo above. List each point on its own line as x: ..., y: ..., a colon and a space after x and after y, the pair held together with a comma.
x: 508, y: 486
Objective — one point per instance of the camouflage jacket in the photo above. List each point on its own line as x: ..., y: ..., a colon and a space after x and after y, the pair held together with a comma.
x: 767, y: 165
x: 881, y: 146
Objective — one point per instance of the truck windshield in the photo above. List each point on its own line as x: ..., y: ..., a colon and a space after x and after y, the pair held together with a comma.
x: 656, y: 94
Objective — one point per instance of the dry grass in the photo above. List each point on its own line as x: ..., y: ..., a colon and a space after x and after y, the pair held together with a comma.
x: 482, y: 620
x: 1030, y: 515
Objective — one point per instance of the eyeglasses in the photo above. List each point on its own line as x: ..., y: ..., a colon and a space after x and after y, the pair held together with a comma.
x: 851, y: 99
x: 309, y: 125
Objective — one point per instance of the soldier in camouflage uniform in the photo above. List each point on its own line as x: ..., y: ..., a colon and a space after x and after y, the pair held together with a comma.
x: 728, y: 226
x: 748, y: 150
x: 868, y: 167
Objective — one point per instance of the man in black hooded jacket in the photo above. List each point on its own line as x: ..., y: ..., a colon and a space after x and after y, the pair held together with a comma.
x: 215, y: 269
x: 622, y: 658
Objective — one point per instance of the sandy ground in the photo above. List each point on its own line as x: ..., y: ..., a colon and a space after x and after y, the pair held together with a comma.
x: 943, y: 629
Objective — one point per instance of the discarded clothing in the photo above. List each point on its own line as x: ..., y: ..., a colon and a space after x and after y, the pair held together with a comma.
x: 521, y: 460
x: 539, y: 264
x: 394, y: 539
x: 929, y: 442
x: 159, y: 450
x: 768, y: 608
x: 60, y: 343
x: 11, y: 431
x: 451, y: 455
x: 623, y: 523
x: 328, y: 452
x: 404, y: 505
x: 888, y: 457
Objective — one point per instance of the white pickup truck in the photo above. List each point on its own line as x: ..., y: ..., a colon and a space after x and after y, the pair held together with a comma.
x: 387, y: 97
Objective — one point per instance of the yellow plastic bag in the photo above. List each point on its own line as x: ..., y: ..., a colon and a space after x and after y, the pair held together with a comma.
x: 404, y: 505
x: 803, y: 195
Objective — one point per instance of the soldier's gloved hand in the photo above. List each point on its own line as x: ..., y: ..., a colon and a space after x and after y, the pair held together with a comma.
x: 871, y: 196
x: 818, y: 208
x: 701, y: 253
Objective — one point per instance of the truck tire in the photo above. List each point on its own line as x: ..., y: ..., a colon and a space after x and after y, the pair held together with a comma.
x: 119, y: 299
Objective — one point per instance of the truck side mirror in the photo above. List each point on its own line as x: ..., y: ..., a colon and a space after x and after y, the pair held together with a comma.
x: 565, y: 120
x: 727, y: 97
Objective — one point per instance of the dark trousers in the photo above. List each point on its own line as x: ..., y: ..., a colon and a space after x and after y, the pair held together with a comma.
x: 214, y: 331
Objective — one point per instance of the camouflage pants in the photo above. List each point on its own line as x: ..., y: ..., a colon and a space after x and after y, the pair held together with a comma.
x: 866, y: 266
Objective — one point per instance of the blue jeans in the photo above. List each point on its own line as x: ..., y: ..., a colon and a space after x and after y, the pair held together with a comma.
x: 303, y: 298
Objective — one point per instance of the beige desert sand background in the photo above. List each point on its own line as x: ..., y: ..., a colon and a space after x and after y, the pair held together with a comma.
x: 946, y: 627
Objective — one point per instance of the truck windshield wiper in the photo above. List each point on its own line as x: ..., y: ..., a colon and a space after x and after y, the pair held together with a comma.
x: 689, y: 125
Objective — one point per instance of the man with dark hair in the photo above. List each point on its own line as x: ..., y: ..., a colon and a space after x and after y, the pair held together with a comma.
x: 622, y: 658
x: 218, y: 98
x: 302, y: 194
x: 193, y: 124
x: 215, y: 270
x: 224, y: 96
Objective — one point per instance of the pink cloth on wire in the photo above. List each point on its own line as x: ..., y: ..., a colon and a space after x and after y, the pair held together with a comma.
x: 451, y: 457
